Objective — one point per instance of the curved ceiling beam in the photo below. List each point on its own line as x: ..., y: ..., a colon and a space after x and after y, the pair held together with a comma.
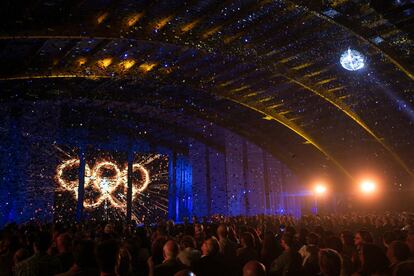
x: 351, y: 114
x: 55, y: 76
x: 296, y: 129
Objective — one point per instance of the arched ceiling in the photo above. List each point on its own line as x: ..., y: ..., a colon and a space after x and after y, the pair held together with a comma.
x: 268, y: 70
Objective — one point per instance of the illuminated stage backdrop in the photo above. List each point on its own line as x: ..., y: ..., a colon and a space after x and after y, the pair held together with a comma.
x: 106, y: 186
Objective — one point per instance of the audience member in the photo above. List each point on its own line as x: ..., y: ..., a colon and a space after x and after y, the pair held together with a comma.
x: 84, y: 260
x: 106, y: 256
x: 373, y: 261
x: 330, y: 263
x: 325, y: 247
x: 290, y: 262
x: 64, y: 247
x: 40, y: 264
x: 171, y: 264
x: 247, y: 251
x: 210, y: 263
x: 254, y: 268
x: 397, y: 252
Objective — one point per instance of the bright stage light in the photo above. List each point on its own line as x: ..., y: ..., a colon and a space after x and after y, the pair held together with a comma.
x: 320, y: 189
x: 368, y: 186
x: 352, y: 60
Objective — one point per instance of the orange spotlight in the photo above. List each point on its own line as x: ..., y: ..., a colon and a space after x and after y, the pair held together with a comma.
x: 147, y: 66
x: 368, y: 186
x: 133, y: 19
x: 126, y: 64
x: 320, y: 189
x: 101, y: 18
x: 81, y: 61
x: 104, y: 63
x: 162, y: 22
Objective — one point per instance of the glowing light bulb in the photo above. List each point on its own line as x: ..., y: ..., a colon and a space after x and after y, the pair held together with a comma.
x: 320, y: 189
x: 352, y: 60
x: 368, y: 186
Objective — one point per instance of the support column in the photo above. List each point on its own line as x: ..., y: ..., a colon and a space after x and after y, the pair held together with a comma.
x: 266, y: 183
x: 208, y: 181
x: 245, y: 179
x: 81, y: 186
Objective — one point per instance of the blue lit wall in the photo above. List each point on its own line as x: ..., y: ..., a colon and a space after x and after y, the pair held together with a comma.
x: 235, y: 178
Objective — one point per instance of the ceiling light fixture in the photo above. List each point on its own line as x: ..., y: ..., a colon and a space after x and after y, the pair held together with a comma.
x: 352, y: 60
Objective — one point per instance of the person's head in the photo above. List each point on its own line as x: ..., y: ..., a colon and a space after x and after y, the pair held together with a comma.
x: 184, y: 272
x: 405, y: 268
x: 20, y: 255
x: 157, y: 249
x: 170, y: 250
x: 247, y: 240
x: 109, y: 229
x: 124, y: 261
x: 254, y: 268
x: 187, y: 241
x: 397, y: 252
x: 63, y: 243
x: 329, y: 262
x: 106, y: 255
x: 373, y: 259
x: 222, y: 231
x: 83, y: 253
x: 363, y: 236
x: 210, y: 247
x: 287, y: 241
x: 198, y: 229
x: 42, y: 242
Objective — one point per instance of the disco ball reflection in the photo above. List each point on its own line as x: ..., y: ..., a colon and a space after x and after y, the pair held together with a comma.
x: 352, y: 60
x: 106, y: 179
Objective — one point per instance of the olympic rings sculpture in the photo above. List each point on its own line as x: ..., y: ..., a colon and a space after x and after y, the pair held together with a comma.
x: 105, y: 186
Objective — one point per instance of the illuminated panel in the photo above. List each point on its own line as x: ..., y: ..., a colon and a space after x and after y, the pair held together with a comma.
x: 106, y: 185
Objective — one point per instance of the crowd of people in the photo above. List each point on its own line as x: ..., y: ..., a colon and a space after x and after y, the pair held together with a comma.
x: 335, y: 245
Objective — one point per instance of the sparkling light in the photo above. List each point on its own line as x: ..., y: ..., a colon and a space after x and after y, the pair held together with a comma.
x: 352, y: 60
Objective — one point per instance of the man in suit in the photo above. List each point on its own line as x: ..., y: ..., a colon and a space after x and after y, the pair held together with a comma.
x: 171, y: 264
